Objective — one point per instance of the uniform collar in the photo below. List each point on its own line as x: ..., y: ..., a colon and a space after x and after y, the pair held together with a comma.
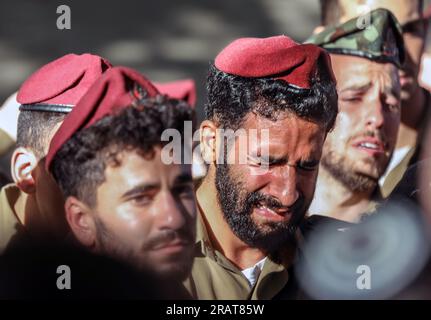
x: 14, y: 201
x: 274, y: 275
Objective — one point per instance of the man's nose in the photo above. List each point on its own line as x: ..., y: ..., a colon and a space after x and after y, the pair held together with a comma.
x: 169, y: 212
x: 283, y: 185
x: 375, y: 117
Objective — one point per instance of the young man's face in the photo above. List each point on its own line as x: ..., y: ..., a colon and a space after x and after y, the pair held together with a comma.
x: 414, y: 34
x: 359, y: 148
x: 145, y: 214
x: 264, y: 205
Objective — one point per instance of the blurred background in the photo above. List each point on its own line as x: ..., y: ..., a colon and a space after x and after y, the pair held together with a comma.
x: 164, y: 39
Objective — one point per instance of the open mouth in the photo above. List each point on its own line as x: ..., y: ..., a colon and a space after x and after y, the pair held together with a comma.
x: 370, y: 146
x: 269, y: 214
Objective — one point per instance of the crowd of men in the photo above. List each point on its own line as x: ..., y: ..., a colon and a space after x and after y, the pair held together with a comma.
x: 329, y: 181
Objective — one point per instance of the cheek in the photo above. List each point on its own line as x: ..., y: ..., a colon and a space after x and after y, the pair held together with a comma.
x: 251, y: 178
x: 344, y: 126
x: 127, y: 221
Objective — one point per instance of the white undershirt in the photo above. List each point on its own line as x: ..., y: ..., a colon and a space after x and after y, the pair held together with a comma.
x: 252, y: 273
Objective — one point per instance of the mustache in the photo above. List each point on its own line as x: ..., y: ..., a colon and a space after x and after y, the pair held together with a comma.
x: 258, y: 198
x: 167, y: 237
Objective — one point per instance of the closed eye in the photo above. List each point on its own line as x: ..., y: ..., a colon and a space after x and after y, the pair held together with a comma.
x: 308, y: 166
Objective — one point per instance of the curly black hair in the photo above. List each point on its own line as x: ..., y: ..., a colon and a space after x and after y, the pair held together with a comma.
x: 79, y: 165
x: 231, y: 98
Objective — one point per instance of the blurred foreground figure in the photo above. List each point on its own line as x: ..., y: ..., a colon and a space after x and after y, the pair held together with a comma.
x: 270, y: 105
x: 33, y: 205
x: 377, y: 259
x: 124, y: 198
x: 37, y: 271
x: 416, y: 101
x: 357, y: 152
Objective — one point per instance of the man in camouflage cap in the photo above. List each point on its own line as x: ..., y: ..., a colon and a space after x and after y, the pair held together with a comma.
x: 415, y: 100
x: 356, y: 153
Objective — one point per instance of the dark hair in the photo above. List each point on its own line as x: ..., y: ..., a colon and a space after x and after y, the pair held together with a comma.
x: 231, y: 98
x: 34, y: 129
x: 79, y: 165
x: 331, y: 11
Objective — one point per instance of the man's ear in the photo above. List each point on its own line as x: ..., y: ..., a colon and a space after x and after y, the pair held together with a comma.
x: 318, y: 29
x: 23, y: 163
x: 208, y: 141
x: 81, y: 221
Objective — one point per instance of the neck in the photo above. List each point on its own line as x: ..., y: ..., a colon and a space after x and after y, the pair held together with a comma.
x: 334, y: 200
x: 221, y: 236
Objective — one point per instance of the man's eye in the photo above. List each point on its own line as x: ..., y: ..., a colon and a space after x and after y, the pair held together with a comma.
x: 141, y: 200
x: 352, y: 99
x: 186, y: 191
x: 308, y: 167
x: 414, y: 28
x: 394, y: 107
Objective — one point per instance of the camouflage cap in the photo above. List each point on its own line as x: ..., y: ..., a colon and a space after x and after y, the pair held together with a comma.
x: 376, y: 36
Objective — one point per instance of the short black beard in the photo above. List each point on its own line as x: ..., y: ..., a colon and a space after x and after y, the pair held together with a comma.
x: 112, y: 246
x: 237, y: 206
x: 352, y: 181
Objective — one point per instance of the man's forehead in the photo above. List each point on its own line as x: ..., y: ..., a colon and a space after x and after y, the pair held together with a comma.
x: 134, y: 167
x: 404, y: 10
x: 288, y: 132
x: 356, y: 73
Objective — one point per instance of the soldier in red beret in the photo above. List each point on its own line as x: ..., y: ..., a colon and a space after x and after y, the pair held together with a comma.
x: 249, y: 211
x: 122, y: 199
x: 32, y: 206
x: 181, y: 89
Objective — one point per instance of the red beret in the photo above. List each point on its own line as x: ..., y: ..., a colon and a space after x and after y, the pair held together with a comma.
x: 276, y: 57
x: 59, y: 85
x: 117, y: 89
x: 181, y: 90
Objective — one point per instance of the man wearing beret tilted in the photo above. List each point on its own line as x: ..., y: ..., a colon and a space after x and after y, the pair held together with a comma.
x: 33, y: 205
x: 356, y: 153
x: 122, y: 199
x: 249, y: 210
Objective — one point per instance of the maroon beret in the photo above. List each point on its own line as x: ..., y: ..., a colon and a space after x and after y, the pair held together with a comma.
x: 181, y: 90
x: 276, y: 57
x: 117, y: 89
x: 59, y: 85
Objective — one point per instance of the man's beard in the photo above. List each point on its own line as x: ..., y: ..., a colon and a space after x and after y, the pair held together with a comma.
x: 113, y: 246
x: 341, y: 170
x: 237, y: 207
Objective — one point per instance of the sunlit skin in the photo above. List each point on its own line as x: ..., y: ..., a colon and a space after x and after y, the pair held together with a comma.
x: 365, y: 132
x: 414, y: 34
x: 139, y: 201
x: 294, y: 146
